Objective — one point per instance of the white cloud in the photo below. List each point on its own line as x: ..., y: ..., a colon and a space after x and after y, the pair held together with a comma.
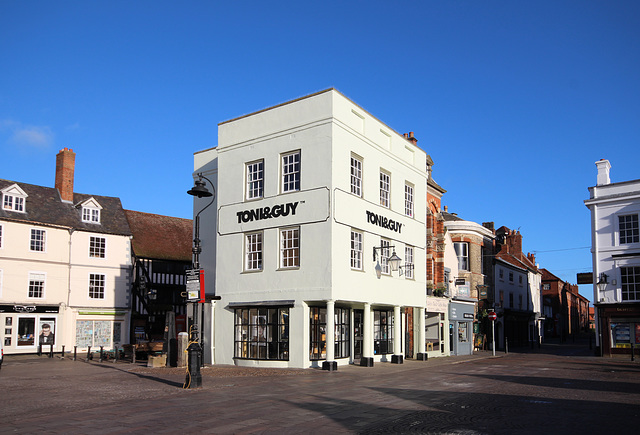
x: 27, y: 136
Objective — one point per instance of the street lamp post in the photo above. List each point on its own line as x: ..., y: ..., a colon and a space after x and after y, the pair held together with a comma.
x: 194, y: 351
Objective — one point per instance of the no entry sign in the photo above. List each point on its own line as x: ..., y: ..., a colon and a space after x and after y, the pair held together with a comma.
x: 492, y: 316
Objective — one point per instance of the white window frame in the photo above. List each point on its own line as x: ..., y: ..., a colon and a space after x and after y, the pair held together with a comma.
x: 624, y: 282
x: 631, y: 230
x: 408, y: 262
x: 104, y: 247
x: 90, y: 215
x: 35, y: 241
x: 94, y: 281
x: 13, y: 203
x: 357, y: 248
x: 290, y: 170
x: 34, y: 277
x: 385, y: 188
x: 290, y: 248
x: 253, y: 252
x: 254, y: 179
x: 462, y: 255
x: 408, y: 199
x: 356, y: 175
x: 385, y: 253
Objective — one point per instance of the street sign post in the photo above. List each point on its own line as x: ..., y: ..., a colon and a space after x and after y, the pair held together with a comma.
x: 492, y: 316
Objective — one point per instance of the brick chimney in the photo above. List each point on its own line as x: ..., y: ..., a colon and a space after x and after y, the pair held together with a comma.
x: 409, y: 136
x: 514, y: 240
x: 65, y: 168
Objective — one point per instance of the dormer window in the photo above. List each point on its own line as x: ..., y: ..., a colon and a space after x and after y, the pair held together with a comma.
x: 91, y: 215
x: 13, y: 198
x: 91, y: 211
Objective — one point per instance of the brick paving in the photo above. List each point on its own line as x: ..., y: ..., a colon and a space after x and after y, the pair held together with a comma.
x: 559, y: 388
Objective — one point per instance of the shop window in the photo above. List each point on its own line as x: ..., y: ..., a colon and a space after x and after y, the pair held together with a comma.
x: 432, y: 330
x: 317, y: 333
x: 47, y: 328
x: 262, y: 333
x: 26, y: 331
x: 342, y: 335
x: 94, y: 333
x: 463, y: 332
x: 382, y: 332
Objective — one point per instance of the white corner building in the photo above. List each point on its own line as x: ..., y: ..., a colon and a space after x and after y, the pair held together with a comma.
x: 313, y: 197
x: 615, y: 247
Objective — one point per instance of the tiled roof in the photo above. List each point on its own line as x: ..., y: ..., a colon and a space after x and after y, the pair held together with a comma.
x: 160, y: 237
x: 45, y: 207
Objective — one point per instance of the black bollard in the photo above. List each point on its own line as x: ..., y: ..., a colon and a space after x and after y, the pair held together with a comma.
x: 89, y: 356
x: 62, y: 354
x: 194, y: 377
x: 51, y: 350
x: 101, y: 353
x: 40, y: 349
x: 117, y: 355
x: 75, y: 352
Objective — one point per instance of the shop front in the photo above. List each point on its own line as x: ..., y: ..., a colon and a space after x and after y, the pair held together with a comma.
x: 461, y: 316
x: 27, y: 327
x: 436, y: 317
x: 620, y: 326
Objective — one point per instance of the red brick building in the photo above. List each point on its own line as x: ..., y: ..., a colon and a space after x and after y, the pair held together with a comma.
x: 569, y: 309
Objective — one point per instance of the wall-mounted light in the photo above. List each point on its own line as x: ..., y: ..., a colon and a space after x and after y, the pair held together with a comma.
x: 393, y: 261
x: 602, y: 282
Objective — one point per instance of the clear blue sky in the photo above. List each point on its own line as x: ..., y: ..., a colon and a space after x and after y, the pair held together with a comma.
x: 514, y: 100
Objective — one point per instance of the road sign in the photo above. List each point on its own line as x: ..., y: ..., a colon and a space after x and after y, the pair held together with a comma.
x: 195, y: 285
x: 492, y: 316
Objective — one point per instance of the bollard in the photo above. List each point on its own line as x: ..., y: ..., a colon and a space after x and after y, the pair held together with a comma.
x: 633, y: 358
x: 101, y: 353
x: 51, y: 350
x: 62, y: 354
x: 89, y: 357
x: 117, y: 355
x: 40, y: 349
x: 506, y: 345
x: 75, y: 352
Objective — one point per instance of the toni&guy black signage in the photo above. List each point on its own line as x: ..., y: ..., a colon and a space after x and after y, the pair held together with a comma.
x: 384, y: 222
x: 257, y: 214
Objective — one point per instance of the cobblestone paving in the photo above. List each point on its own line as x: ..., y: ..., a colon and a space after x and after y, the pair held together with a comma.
x: 555, y: 389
